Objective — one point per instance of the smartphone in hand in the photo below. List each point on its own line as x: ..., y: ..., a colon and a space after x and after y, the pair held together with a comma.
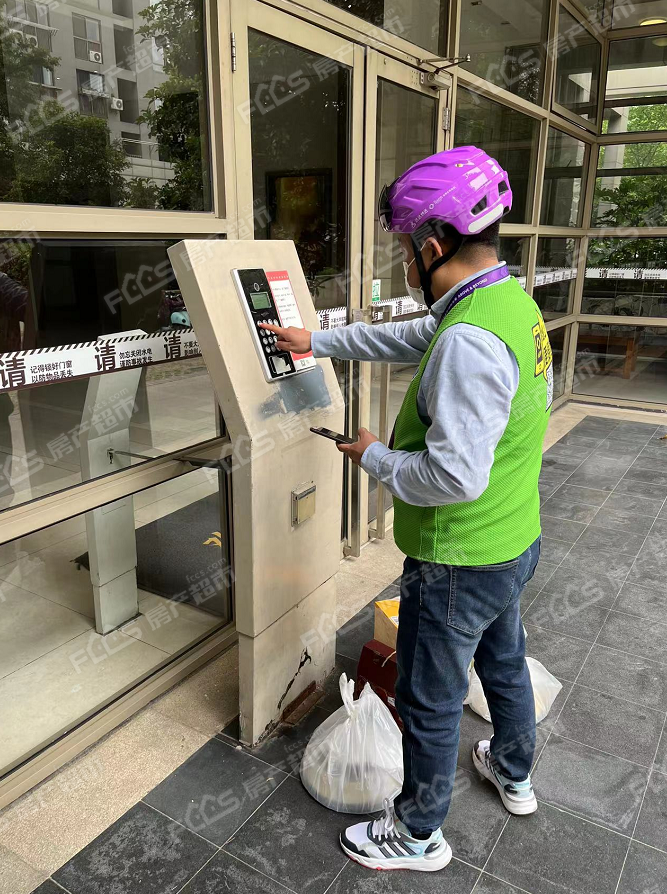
x: 333, y: 435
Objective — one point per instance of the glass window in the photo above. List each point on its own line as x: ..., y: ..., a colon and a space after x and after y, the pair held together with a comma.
x: 563, y: 179
x: 168, y: 114
x: 514, y: 251
x: 554, y: 276
x: 636, y: 95
x: 59, y: 292
x: 507, y: 135
x: 626, y: 277
x: 171, y: 575
x: 300, y: 139
x: 639, y: 12
x: 628, y: 362
x: 558, y: 340
x: 506, y: 42
x: 422, y: 22
x: 577, y: 67
x: 630, y: 185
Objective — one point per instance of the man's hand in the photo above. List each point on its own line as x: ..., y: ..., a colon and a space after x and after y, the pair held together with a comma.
x: 291, y: 339
x: 356, y: 451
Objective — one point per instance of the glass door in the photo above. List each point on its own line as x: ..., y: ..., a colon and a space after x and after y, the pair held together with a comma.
x: 404, y: 125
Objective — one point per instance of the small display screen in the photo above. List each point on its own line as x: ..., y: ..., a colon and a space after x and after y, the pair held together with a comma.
x: 260, y: 300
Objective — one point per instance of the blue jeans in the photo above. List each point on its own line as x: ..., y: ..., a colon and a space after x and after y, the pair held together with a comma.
x: 448, y: 616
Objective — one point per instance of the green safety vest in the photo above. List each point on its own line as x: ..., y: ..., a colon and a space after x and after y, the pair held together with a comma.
x: 505, y: 520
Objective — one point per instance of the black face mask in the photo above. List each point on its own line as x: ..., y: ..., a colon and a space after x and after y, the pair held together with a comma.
x: 425, y: 276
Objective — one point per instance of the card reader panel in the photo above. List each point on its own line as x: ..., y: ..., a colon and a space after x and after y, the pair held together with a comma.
x: 259, y: 306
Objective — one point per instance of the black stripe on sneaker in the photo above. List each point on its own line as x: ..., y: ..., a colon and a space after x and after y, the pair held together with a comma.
x: 383, y: 851
x: 408, y: 849
x: 395, y: 848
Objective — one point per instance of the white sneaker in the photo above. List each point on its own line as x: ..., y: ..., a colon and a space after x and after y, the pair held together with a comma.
x: 518, y: 797
x: 386, y: 843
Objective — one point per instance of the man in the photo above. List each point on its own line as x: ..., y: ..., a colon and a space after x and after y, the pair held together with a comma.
x: 463, y: 468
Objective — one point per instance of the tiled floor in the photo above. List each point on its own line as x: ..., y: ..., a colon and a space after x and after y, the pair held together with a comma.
x: 234, y: 819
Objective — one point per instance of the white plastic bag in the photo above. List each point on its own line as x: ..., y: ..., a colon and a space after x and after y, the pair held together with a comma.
x: 545, y: 689
x: 354, y: 760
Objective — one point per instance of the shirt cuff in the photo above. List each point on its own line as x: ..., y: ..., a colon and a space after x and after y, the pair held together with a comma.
x: 372, y: 458
x: 320, y: 343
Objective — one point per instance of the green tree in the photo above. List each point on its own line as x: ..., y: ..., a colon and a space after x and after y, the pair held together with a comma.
x: 176, y: 115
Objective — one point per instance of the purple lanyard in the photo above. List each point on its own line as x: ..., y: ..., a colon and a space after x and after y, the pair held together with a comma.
x: 484, y: 279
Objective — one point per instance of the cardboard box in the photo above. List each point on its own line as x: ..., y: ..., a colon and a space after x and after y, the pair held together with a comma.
x: 386, y: 621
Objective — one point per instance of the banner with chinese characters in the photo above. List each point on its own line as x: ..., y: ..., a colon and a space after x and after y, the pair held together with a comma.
x: 23, y: 369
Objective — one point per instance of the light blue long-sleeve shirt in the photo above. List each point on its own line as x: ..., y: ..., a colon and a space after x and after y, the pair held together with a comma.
x: 464, y: 398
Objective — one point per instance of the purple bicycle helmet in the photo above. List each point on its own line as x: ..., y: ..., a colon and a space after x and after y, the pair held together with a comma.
x: 463, y: 187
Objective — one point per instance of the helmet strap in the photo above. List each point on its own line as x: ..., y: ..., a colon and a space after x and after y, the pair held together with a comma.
x: 426, y: 276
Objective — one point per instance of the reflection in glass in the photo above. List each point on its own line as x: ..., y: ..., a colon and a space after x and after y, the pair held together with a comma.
x: 422, y: 22
x: 627, y: 362
x: 639, y: 12
x: 563, y: 175
x: 577, y: 67
x: 299, y: 126
x: 77, y: 88
x: 62, y: 292
x: 636, y: 94
x: 405, y: 133
x: 630, y: 186
x: 56, y: 669
x: 557, y: 339
x: 554, y: 276
x: 627, y: 277
x: 506, y: 43
x: 514, y: 251
x: 508, y: 136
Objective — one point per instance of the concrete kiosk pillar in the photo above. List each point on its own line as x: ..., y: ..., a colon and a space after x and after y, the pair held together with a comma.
x: 283, y: 573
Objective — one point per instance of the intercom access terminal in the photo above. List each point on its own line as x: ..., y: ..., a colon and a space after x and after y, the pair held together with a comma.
x: 267, y: 297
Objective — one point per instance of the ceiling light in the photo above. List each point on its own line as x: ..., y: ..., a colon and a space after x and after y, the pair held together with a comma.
x: 659, y: 41
x: 655, y: 21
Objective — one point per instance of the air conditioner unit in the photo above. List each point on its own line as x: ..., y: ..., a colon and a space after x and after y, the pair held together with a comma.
x: 32, y: 40
x: 94, y: 56
x: 116, y: 104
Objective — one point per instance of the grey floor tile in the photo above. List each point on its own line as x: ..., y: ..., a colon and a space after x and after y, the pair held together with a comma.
x: 596, y: 424
x: 640, y: 601
x: 622, y: 520
x: 583, y: 586
x: 225, y: 873
x: 560, y: 507
x: 573, y: 438
x: 593, y: 785
x: 647, y: 476
x: 661, y: 757
x: 542, y: 574
x: 611, y: 724
x: 353, y: 635
x: 652, y: 824
x: 587, y: 495
x: 645, y: 871
x: 650, y: 458
x: 598, y: 479
x: 647, y: 639
x: 558, y: 464
x: 143, y: 852
x: 640, y: 489
x: 215, y: 790
x: 568, y: 451
x: 560, y: 528
x: 457, y: 878
x: 552, y: 852
x: 634, y: 430
x: 562, y: 656
x: 599, y: 561
x: 527, y: 598
x: 550, y: 721
x: 647, y: 572
x: 48, y: 887
x: 643, y: 506
x: 548, y: 488
x: 618, y: 541
x: 475, y: 820
x: 655, y: 451
x: 626, y: 676
x: 284, y: 748
x: 619, y: 450
x: 554, y: 551
x: 579, y: 615
x: 490, y: 885
x: 294, y: 840
x: 473, y: 728
x: 331, y: 699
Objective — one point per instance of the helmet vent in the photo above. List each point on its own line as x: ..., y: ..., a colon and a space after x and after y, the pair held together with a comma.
x: 480, y: 206
x: 502, y: 187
